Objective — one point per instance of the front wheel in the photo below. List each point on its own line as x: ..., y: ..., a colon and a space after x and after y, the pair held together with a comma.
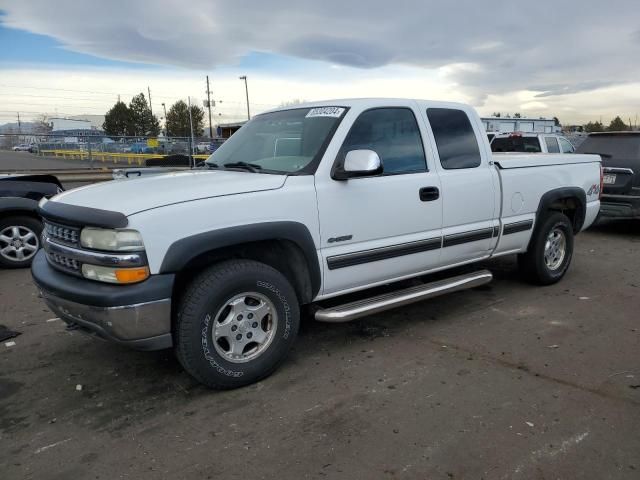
x: 236, y: 323
x: 550, y: 250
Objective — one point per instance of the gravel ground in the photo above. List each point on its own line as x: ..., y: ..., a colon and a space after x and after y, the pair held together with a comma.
x: 507, y: 381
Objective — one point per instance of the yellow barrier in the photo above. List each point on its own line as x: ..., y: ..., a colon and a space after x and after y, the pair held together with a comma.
x: 107, y: 156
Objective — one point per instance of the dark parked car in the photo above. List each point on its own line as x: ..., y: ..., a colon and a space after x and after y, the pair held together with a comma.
x: 20, y: 225
x: 620, y: 152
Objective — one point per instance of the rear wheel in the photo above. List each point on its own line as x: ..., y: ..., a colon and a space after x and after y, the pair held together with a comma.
x: 19, y: 241
x: 236, y: 323
x: 550, y: 250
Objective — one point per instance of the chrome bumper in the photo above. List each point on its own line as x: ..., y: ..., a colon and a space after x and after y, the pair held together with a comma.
x: 144, y: 326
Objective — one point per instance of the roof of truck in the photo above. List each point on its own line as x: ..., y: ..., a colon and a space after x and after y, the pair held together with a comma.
x: 373, y: 101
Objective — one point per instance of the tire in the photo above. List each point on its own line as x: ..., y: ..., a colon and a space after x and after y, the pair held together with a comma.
x: 542, y: 264
x: 233, y: 299
x: 19, y: 240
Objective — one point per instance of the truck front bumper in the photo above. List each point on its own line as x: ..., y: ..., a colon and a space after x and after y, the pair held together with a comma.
x: 138, y: 315
x: 620, y: 206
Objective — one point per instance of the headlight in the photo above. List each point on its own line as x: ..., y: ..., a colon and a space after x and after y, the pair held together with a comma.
x: 115, y: 275
x: 111, y: 240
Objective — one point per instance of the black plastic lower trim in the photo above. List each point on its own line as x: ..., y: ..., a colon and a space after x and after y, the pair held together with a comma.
x: 186, y: 250
x: 67, y: 214
x: 383, y: 253
x: 89, y: 292
x: 467, y: 237
x: 516, y: 227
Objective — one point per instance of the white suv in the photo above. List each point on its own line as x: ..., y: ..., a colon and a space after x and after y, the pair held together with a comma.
x: 531, y: 143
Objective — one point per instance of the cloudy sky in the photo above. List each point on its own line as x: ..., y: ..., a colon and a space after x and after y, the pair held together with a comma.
x: 576, y: 60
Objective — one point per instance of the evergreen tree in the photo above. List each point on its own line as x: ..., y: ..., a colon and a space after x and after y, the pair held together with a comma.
x: 594, y: 127
x: 178, y: 120
x: 117, y: 121
x: 617, y: 125
x: 143, y: 123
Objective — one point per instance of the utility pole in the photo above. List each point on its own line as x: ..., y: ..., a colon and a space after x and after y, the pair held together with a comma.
x: 166, y: 130
x: 209, y: 107
x: 191, y: 160
x: 150, y: 107
x: 19, y: 124
x: 246, y: 89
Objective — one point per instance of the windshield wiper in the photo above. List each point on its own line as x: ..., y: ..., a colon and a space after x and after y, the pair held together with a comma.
x: 251, y: 167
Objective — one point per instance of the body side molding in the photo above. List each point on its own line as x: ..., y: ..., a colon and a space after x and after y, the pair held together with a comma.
x: 466, y: 237
x: 516, y: 227
x: 382, y: 253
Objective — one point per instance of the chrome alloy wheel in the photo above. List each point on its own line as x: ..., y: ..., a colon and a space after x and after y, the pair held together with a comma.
x: 18, y: 243
x: 555, y: 249
x: 244, y: 327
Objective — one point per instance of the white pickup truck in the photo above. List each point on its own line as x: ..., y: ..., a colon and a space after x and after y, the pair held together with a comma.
x: 301, y: 205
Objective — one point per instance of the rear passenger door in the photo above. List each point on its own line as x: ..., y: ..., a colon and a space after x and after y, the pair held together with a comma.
x: 470, y: 188
x: 385, y: 226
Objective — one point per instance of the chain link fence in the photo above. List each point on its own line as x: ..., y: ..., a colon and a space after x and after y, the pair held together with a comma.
x: 89, y: 150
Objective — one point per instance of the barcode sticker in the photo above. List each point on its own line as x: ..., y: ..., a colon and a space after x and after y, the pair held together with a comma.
x: 325, y: 112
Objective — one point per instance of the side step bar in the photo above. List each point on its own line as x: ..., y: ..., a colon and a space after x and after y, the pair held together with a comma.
x: 387, y: 301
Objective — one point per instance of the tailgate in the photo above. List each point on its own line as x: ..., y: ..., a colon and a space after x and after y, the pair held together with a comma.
x: 617, y: 181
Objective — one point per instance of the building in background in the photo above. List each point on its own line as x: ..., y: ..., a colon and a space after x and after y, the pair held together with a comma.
x: 511, y: 124
x: 225, y: 130
x: 62, y: 124
x: 73, y: 129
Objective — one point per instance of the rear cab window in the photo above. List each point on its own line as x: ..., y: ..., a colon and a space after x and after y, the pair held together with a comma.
x: 455, y: 138
x: 516, y: 143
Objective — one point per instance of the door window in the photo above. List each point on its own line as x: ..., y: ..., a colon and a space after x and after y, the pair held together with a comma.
x: 552, y: 144
x: 393, y: 134
x: 456, y: 141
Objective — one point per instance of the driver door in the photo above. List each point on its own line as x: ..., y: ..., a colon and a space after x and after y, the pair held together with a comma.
x: 385, y: 226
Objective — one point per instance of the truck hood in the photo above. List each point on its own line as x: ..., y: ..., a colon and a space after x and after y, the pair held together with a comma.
x: 135, y: 195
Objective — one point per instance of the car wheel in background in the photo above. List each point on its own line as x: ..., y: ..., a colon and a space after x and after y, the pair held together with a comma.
x: 19, y: 241
x: 550, y: 250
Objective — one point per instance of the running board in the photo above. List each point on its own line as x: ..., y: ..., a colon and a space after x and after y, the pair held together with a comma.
x: 387, y: 301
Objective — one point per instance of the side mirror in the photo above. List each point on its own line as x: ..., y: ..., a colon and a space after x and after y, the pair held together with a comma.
x: 359, y: 163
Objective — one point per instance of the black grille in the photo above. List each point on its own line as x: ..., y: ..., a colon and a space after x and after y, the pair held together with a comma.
x: 62, y: 233
x: 65, y: 262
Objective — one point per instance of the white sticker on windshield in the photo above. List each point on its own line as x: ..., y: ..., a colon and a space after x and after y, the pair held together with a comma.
x: 325, y: 112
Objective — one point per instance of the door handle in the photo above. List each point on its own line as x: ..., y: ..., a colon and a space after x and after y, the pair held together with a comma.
x: 429, y: 194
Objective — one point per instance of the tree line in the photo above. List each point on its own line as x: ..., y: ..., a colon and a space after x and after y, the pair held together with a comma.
x: 137, y: 119
x: 616, y: 125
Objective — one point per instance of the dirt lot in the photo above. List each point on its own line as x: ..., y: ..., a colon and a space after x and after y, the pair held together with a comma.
x: 507, y: 381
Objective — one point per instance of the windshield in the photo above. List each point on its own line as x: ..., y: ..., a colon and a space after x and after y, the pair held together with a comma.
x: 283, y: 142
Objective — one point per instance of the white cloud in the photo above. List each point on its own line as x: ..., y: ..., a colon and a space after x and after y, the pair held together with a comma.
x: 554, y: 50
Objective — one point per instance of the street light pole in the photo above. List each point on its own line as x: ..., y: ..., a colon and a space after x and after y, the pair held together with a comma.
x: 209, y: 107
x: 246, y: 89
x: 166, y: 131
